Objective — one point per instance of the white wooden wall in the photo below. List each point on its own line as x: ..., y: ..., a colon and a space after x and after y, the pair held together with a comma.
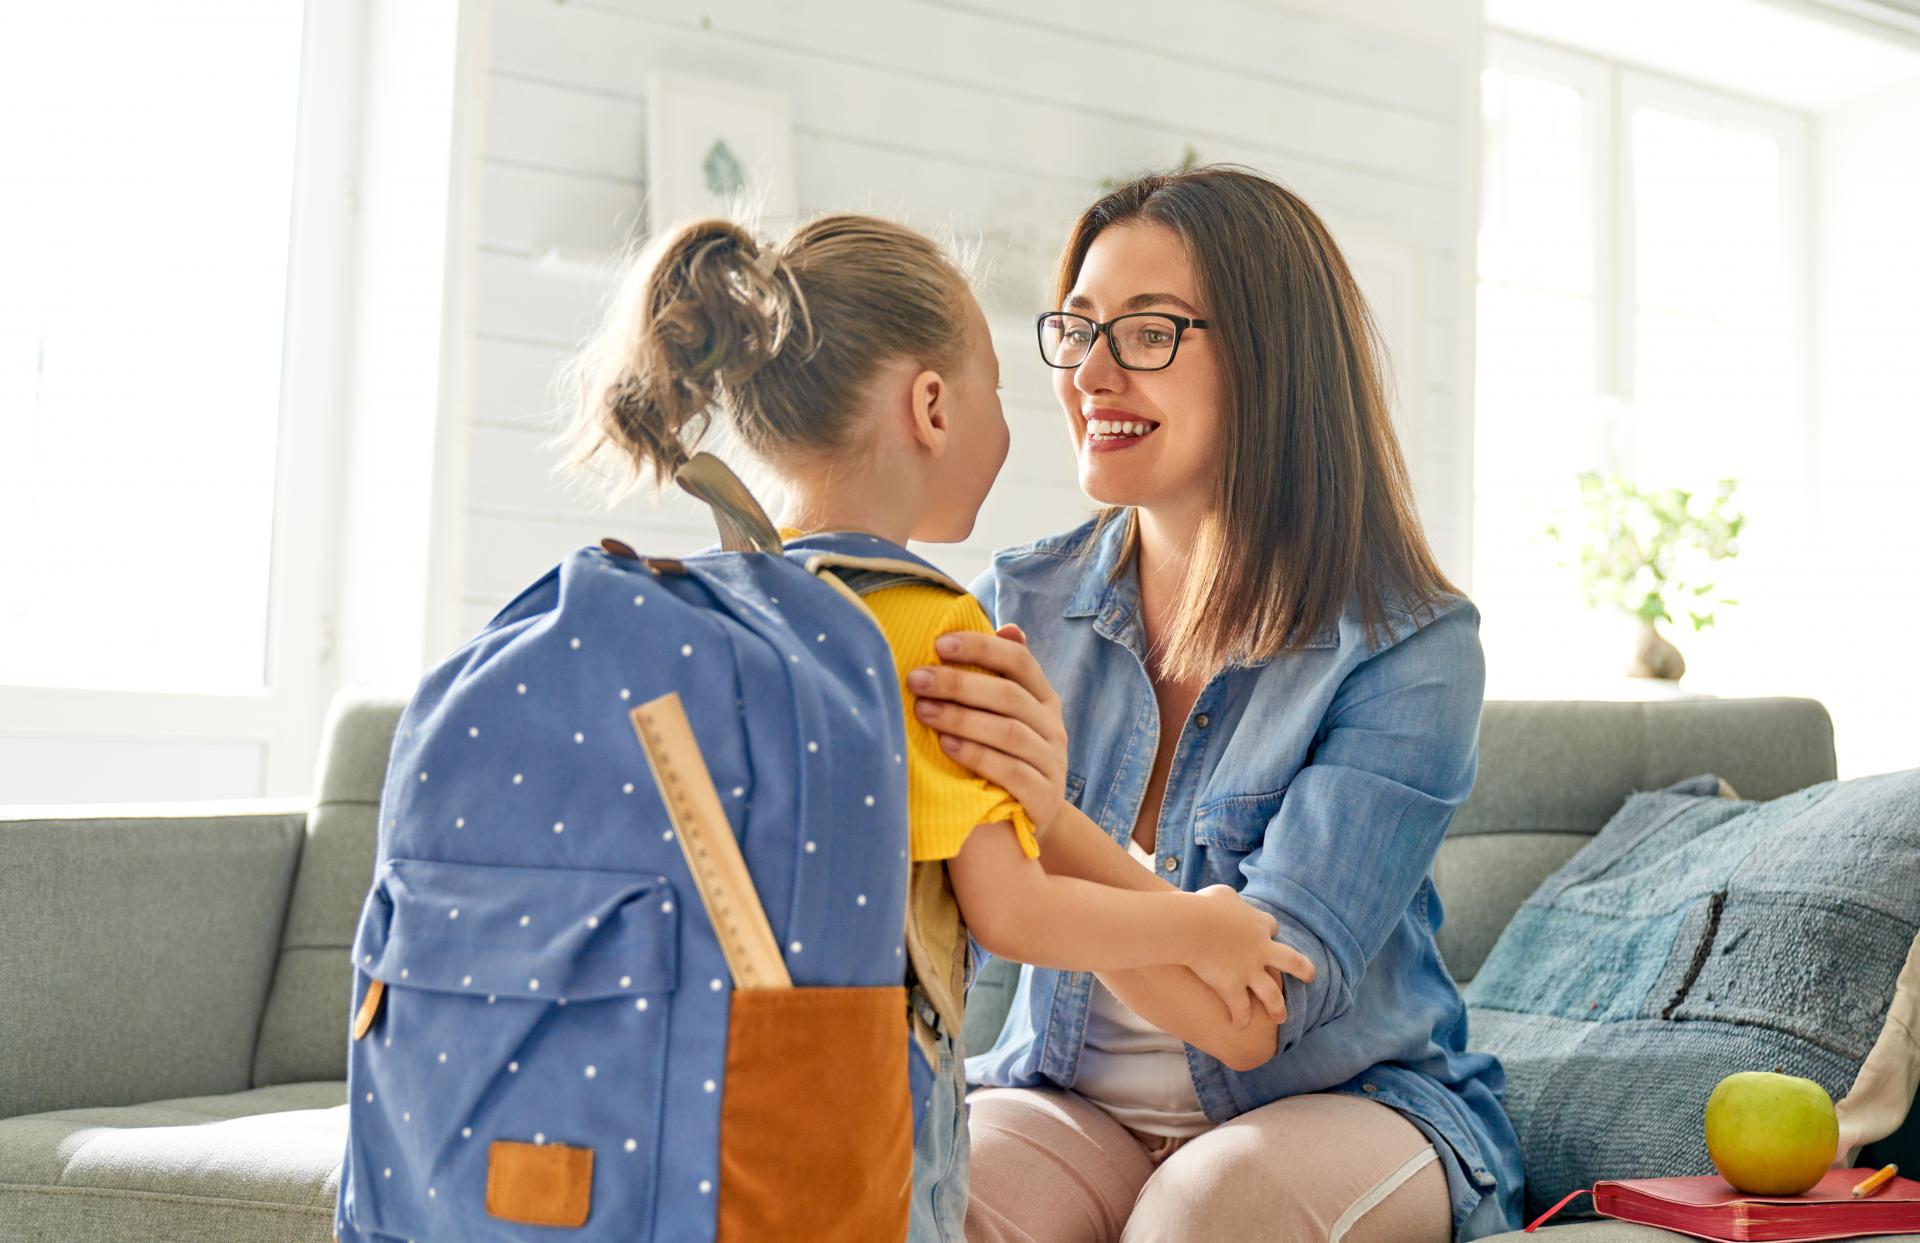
x: 990, y: 122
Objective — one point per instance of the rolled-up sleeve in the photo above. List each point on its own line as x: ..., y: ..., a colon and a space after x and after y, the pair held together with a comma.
x: 1359, y: 825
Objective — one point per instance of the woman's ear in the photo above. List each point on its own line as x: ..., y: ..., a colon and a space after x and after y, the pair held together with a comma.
x: 930, y: 400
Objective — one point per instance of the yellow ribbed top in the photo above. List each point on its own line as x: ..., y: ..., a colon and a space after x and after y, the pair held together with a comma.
x: 944, y: 800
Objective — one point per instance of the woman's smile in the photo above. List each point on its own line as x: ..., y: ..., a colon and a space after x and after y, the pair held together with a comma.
x: 1109, y: 430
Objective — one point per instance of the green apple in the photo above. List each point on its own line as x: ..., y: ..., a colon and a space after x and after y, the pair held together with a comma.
x: 1771, y: 1134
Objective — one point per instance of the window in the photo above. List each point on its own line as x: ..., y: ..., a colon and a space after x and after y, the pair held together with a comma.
x: 163, y: 381
x: 140, y: 338
x: 1642, y: 279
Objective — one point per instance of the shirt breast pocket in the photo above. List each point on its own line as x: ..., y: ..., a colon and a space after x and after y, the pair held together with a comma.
x: 1227, y: 830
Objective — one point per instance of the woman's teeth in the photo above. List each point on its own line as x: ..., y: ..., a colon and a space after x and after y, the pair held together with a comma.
x: 1111, y: 427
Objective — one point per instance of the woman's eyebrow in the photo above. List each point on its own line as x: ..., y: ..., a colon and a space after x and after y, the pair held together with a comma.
x: 1139, y: 301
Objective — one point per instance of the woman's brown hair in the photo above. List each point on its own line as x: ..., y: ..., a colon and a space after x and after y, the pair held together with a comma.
x: 1312, y: 504
x: 781, y: 339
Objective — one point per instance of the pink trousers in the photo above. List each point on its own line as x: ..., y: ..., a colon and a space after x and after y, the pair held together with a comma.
x: 1049, y: 1166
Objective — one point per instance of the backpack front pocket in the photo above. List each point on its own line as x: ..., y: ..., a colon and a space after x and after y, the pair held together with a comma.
x: 500, y: 1012
x: 816, y: 1129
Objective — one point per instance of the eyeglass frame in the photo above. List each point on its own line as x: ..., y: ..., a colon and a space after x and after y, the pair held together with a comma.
x: 1181, y: 324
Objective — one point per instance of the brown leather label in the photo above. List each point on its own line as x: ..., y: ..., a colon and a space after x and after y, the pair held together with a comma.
x: 369, y: 1009
x: 539, y: 1184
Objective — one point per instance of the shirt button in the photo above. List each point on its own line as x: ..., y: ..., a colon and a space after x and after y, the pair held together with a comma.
x: 1369, y: 1087
x: 1203, y: 720
x: 1169, y: 863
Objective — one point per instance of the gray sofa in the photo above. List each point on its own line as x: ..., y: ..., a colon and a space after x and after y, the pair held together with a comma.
x: 173, y: 984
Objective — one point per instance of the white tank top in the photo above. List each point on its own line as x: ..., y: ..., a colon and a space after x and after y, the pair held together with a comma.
x: 1132, y: 1069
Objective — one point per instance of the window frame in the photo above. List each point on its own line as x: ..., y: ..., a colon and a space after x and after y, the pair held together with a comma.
x: 1634, y: 87
x: 1613, y: 88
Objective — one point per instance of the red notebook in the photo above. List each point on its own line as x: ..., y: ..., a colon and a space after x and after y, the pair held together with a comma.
x: 1708, y: 1208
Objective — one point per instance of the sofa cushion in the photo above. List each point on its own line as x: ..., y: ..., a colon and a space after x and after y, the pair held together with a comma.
x: 303, y: 1033
x: 259, y: 1166
x: 136, y: 951
x: 1552, y: 773
x: 1694, y: 937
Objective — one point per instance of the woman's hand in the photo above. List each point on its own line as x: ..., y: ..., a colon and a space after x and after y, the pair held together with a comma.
x: 1005, y: 724
x: 1234, y: 953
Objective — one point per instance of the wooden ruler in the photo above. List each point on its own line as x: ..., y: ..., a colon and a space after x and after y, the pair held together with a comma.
x: 706, y: 838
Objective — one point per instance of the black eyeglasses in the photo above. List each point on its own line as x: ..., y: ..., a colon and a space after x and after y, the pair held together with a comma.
x: 1142, y: 341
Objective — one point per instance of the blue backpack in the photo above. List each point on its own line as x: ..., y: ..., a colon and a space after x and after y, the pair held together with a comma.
x: 546, y: 1033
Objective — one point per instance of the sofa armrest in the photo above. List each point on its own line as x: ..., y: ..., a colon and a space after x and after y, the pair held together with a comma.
x: 136, y: 947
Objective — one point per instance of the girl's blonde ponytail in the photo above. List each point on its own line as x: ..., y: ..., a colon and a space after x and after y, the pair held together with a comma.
x: 783, y: 340
x: 691, y: 325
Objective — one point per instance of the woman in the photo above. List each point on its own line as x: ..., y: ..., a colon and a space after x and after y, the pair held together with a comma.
x: 1247, y: 670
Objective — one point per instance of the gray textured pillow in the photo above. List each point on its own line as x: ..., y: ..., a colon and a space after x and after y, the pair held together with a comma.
x: 1694, y: 937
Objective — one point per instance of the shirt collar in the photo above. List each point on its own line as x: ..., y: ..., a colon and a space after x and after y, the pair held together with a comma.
x: 1099, y: 589
x: 1113, y: 599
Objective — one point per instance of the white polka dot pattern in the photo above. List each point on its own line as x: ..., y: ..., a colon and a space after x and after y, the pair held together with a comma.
x: 517, y: 997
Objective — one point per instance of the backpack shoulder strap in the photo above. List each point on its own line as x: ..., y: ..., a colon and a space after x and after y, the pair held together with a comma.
x: 868, y: 575
x: 858, y: 565
x: 868, y: 560
x: 866, y: 582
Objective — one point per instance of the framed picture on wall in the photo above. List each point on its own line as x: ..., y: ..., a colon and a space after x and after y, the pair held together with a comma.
x: 718, y: 148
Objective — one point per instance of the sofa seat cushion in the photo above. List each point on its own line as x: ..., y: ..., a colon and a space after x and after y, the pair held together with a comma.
x: 256, y: 1165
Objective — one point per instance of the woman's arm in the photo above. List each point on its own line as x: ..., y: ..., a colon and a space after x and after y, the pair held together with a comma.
x: 1016, y: 909
x: 1008, y: 727
x: 1357, y: 832
x: 1171, y: 997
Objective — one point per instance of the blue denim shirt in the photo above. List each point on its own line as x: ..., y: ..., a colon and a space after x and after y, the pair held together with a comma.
x: 1318, y: 784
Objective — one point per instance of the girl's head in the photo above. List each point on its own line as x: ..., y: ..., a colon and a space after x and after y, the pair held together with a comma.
x: 1270, y: 437
x: 854, y: 348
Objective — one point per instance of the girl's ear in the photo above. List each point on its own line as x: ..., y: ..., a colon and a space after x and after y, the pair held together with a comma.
x: 929, y: 396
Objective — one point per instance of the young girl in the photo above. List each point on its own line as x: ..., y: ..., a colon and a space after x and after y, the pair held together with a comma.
x: 855, y: 362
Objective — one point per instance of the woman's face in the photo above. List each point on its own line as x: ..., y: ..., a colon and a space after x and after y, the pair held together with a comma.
x: 1141, y: 266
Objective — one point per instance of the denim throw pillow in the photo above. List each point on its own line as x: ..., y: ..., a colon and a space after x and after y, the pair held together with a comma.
x: 1696, y: 936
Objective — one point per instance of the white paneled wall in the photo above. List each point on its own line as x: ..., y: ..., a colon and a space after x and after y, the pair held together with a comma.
x: 989, y: 124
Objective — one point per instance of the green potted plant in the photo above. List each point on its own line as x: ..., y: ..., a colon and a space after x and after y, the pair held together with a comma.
x: 1651, y: 555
